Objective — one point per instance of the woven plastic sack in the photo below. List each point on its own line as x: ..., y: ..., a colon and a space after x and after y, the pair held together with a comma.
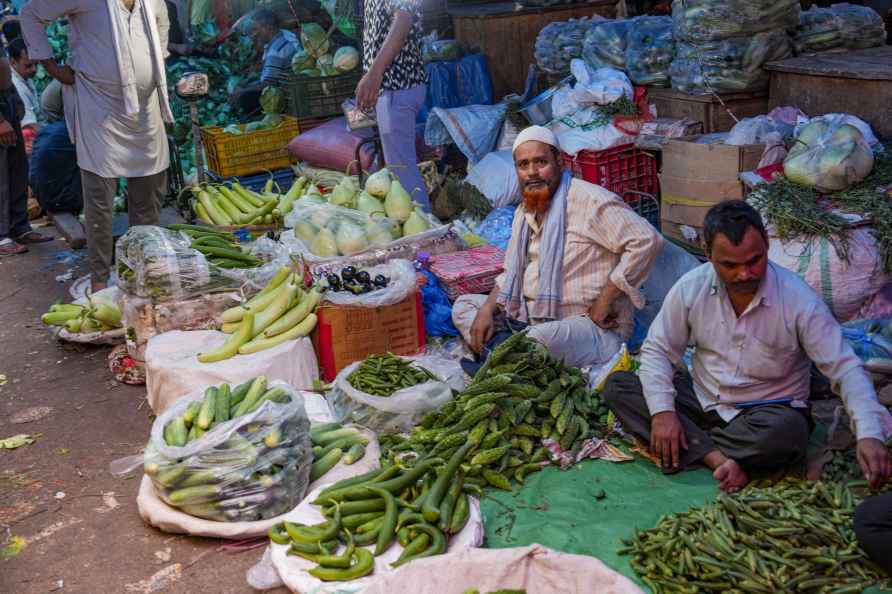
x: 708, y: 20
x: 729, y: 65
x: 251, y: 468
x: 830, y: 154
x: 496, y: 178
x: 650, y: 48
x: 159, y: 264
x: 403, y: 409
x: 604, y: 45
x: 402, y: 282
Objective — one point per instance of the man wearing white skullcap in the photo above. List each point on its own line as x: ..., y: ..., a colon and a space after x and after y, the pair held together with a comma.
x: 575, y: 261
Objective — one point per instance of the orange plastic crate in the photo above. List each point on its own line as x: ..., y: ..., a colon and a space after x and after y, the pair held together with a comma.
x: 252, y: 152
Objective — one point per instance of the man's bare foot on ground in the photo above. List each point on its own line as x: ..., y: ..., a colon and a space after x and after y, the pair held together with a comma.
x: 728, y: 472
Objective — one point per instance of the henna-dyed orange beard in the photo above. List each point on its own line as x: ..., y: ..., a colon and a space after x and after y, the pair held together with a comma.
x: 537, y: 198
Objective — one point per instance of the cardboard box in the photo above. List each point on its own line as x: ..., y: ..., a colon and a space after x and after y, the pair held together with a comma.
x: 345, y: 334
x: 697, y: 176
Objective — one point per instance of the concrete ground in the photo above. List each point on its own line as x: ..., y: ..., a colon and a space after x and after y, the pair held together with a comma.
x: 79, y: 526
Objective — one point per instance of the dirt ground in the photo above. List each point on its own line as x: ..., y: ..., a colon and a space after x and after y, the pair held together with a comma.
x: 79, y: 525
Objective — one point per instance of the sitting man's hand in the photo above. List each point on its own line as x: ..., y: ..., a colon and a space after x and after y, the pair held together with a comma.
x: 667, y: 438
x: 7, y: 134
x: 874, y: 461
x: 482, y: 329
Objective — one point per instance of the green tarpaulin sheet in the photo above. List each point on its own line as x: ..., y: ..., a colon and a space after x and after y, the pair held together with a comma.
x: 561, y: 509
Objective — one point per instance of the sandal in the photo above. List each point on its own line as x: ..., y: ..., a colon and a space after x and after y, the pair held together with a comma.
x: 34, y: 237
x: 10, y: 248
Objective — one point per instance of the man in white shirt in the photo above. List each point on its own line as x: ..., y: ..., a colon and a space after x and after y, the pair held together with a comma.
x: 23, y: 71
x: 756, y: 328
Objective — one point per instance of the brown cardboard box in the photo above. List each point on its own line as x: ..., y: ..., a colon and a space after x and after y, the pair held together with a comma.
x: 345, y: 334
x: 694, y: 178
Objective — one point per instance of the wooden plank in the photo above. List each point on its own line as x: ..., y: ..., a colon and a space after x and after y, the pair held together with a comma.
x: 870, y: 100
x: 869, y: 64
x: 706, y: 108
x: 507, y: 39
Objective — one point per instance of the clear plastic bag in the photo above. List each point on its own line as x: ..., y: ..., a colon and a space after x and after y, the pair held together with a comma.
x: 404, y: 408
x: 327, y: 231
x: 441, y: 50
x: 728, y: 65
x: 560, y: 42
x: 604, y: 45
x: 402, y: 282
x: 757, y: 130
x: 838, y: 28
x: 160, y: 265
x: 496, y: 227
x: 254, y: 467
x: 111, y: 295
x: 650, y: 48
x: 699, y: 21
x: 870, y: 339
x: 830, y: 154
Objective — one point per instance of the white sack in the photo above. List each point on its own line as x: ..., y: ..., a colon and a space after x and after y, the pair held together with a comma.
x: 496, y: 178
x: 173, y: 369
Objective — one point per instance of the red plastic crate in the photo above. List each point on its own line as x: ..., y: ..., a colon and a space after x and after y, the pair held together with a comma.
x: 618, y: 169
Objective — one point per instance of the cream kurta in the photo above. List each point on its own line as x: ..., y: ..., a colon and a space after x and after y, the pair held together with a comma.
x: 109, y: 142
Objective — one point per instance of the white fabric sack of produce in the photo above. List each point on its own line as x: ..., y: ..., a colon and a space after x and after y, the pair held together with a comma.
x: 496, y: 178
x: 173, y: 369
x: 404, y: 408
x: 829, y: 155
x: 112, y: 296
x: 170, y: 519
x: 402, y: 282
x: 845, y: 286
x: 533, y: 568
x: 584, y: 131
x: 598, y: 85
x: 293, y: 570
x: 228, y: 482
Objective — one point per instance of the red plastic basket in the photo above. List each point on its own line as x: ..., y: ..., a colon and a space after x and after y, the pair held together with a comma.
x: 618, y: 169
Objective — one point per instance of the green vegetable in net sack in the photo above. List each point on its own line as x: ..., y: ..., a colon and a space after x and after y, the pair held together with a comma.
x: 302, y: 60
x: 314, y: 39
x: 346, y: 59
x: 272, y: 100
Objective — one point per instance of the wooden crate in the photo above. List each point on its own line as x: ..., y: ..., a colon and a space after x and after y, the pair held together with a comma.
x: 706, y: 108
x: 857, y: 82
x: 506, y: 34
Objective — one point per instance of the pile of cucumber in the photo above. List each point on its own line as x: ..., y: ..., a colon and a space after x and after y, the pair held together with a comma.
x: 419, y: 506
x: 260, y: 471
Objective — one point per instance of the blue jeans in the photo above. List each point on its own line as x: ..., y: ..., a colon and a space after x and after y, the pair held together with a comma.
x: 396, y: 112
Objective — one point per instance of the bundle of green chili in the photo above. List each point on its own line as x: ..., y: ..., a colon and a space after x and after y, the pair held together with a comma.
x: 382, y: 375
x: 795, y: 211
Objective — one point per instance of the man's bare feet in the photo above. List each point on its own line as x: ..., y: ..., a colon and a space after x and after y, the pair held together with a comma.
x: 729, y: 473
x: 731, y: 476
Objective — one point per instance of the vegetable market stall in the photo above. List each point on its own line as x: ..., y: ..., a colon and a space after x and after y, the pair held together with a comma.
x: 857, y: 82
x: 494, y: 28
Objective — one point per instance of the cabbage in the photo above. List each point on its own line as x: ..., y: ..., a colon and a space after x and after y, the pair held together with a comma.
x: 829, y: 155
x: 314, y: 39
x: 415, y: 224
x: 346, y: 58
x: 311, y: 72
x: 369, y: 204
x: 351, y: 238
x: 271, y: 120
x: 378, y: 184
x: 302, y: 60
x: 398, y: 204
x: 324, y: 61
x: 272, y: 100
x: 324, y: 244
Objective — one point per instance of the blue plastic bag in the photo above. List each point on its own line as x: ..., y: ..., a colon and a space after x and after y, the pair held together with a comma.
x: 456, y: 83
x: 496, y: 227
x: 437, y: 308
x: 870, y: 339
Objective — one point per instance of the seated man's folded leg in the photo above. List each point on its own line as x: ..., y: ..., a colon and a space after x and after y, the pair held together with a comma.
x: 769, y: 437
x: 873, y: 527
x: 577, y: 341
x: 625, y: 397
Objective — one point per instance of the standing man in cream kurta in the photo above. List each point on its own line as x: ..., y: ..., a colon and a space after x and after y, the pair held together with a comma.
x: 115, y: 106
